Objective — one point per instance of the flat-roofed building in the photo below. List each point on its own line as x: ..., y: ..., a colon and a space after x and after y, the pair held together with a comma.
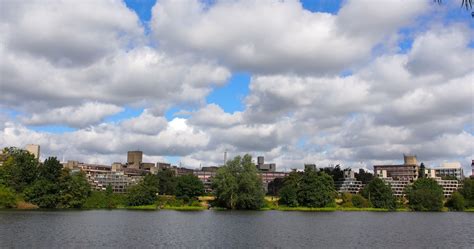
x: 33, y: 149
x: 262, y: 166
x: 134, y: 159
x: 405, y: 172
x: 453, y: 169
x: 348, y: 184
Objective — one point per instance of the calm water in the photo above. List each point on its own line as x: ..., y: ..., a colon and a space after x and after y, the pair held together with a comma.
x: 226, y: 229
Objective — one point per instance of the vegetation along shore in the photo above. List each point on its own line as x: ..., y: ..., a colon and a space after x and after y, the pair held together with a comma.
x: 25, y: 184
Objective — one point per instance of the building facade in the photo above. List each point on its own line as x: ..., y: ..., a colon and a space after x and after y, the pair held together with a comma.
x: 450, y: 170
x: 348, y: 184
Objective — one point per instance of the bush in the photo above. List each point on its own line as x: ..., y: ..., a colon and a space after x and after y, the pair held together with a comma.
x: 359, y: 201
x: 7, y: 197
x: 456, y: 202
x: 189, y: 187
x: 467, y: 191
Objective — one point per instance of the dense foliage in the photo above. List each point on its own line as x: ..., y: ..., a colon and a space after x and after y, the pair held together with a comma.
x: 7, y: 197
x: 335, y: 172
x: 189, y: 187
x: 310, y: 189
x: 145, y: 192
x: 379, y: 194
x: 425, y: 195
x: 354, y: 200
x: 19, y: 170
x: 238, y: 186
x: 467, y: 191
x: 456, y: 202
x: 167, y: 182
x: 364, y: 176
x: 57, y: 188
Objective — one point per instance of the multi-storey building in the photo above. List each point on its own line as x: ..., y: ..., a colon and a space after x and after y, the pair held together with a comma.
x: 348, y: 184
x: 403, y: 172
x: 118, y: 181
x: 450, y: 169
x: 262, y: 166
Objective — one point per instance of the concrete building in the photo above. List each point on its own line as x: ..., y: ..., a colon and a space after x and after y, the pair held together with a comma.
x: 117, y: 180
x: 33, y: 149
x: 453, y: 169
x: 134, y: 159
x: 262, y: 166
x: 408, y: 171
x: 310, y: 166
x: 348, y: 184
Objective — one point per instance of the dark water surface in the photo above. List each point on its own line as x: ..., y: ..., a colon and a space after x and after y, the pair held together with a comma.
x: 233, y: 229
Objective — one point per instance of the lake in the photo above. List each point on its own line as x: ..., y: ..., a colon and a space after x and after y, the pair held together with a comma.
x: 234, y: 229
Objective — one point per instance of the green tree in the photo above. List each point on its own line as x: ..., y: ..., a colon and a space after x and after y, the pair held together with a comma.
x: 74, y: 189
x: 315, y: 190
x: 50, y: 170
x: 467, y: 191
x: 19, y: 170
x: 238, y: 186
x: 43, y: 193
x: 144, y: 193
x: 289, y: 195
x: 289, y: 191
x: 456, y: 202
x: 167, y: 181
x: 425, y: 195
x: 7, y: 197
x: 189, y: 187
x: 379, y: 194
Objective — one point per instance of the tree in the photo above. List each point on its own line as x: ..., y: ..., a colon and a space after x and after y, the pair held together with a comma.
x: 74, y: 189
x: 50, y: 170
x: 315, y: 190
x: 379, y: 194
x: 275, y: 186
x: 289, y: 191
x: 425, y: 195
x: 238, y: 186
x: 189, y: 187
x: 456, y: 202
x: 467, y: 191
x: 144, y: 193
x: 335, y: 172
x: 363, y: 176
x: 167, y: 182
x: 19, y: 170
x: 43, y: 193
x: 7, y: 197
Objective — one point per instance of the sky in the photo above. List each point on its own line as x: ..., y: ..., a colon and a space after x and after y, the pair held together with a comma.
x: 352, y: 82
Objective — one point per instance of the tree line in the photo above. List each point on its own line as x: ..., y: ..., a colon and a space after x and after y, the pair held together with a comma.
x: 236, y: 185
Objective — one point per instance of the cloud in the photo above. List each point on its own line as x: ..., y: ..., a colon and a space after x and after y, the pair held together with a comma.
x: 81, y: 116
x: 280, y: 36
x: 68, y: 33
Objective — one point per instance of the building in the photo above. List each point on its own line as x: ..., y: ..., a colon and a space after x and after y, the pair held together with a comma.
x: 134, y: 159
x: 408, y: 171
x: 310, y: 166
x: 262, y: 166
x: 348, y: 184
x: 399, y: 186
x: 453, y: 169
x: 269, y: 176
x: 206, y: 178
x: 33, y: 149
x: 118, y: 181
